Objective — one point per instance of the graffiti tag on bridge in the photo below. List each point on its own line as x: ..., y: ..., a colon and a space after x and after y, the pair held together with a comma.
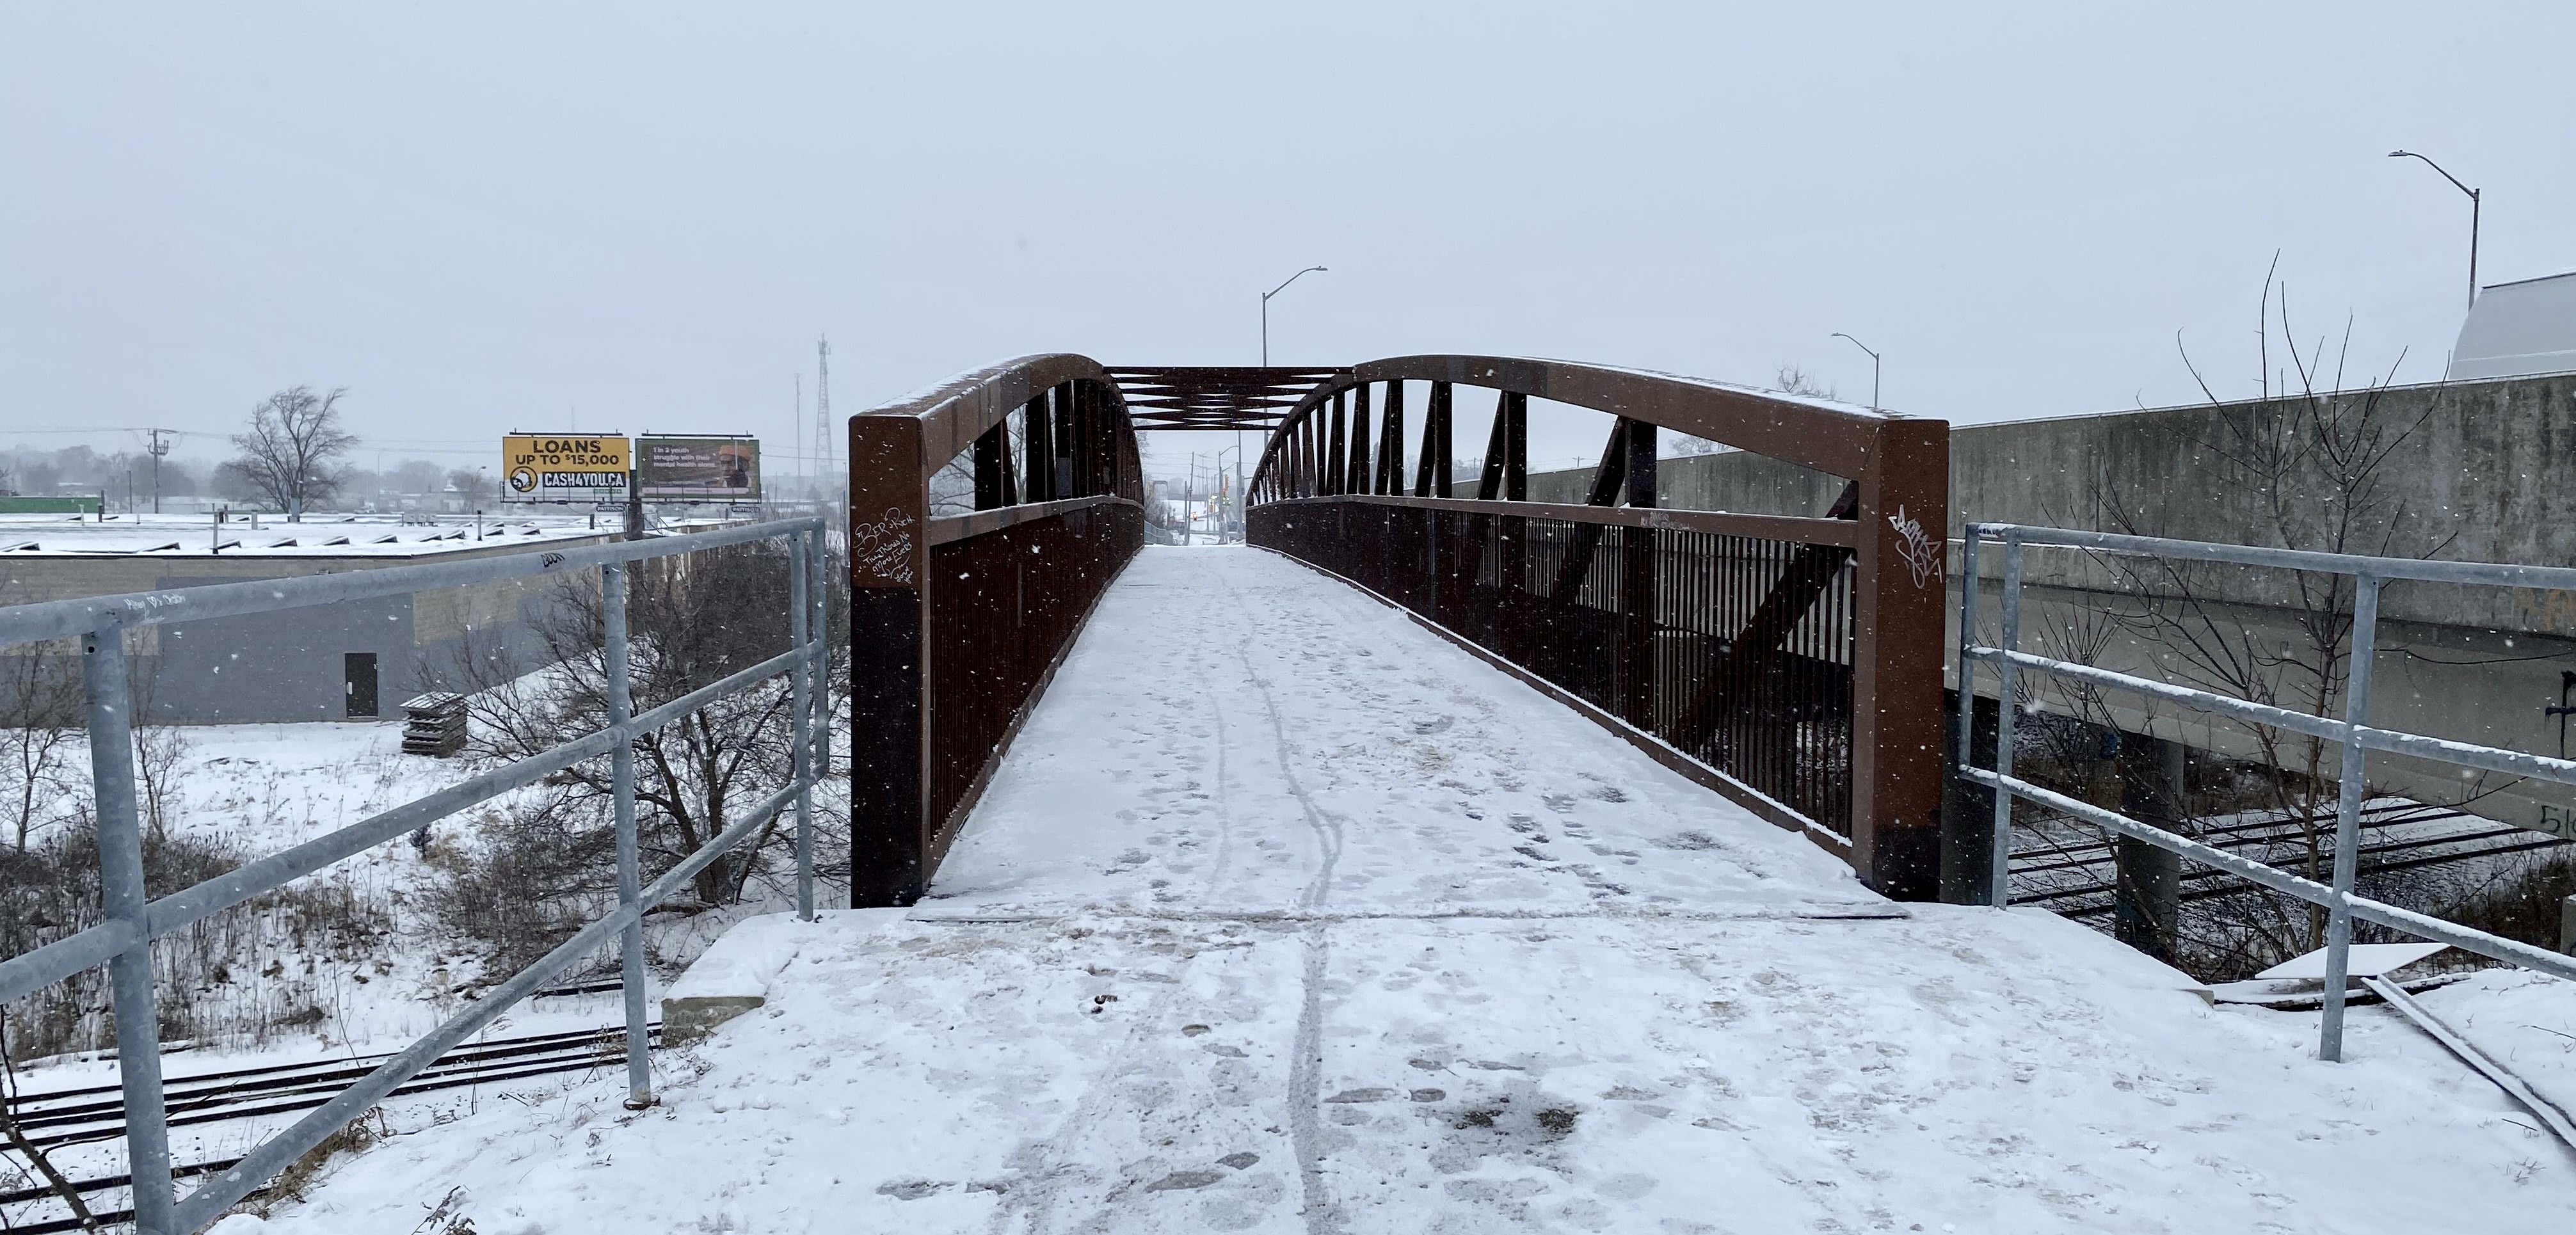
x: 884, y: 548
x: 1922, y: 554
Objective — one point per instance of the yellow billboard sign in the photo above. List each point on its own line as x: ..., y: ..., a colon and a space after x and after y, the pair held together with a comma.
x: 569, y: 467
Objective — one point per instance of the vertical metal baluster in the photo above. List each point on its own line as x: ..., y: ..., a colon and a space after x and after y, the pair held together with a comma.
x: 2356, y: 713
x: 122, y: 897
x: 2007, y: 679
x: 630, y: 879
x: 800, y: 718
x: 1967, y: 667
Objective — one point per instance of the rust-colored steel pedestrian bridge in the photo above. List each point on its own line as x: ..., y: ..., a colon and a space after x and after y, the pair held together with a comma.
x: 1793, y: 664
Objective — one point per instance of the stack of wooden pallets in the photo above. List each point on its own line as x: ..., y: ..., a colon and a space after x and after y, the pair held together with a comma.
x: 434, y: 725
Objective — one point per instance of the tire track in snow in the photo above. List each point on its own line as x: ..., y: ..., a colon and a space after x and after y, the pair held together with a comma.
x: 1224, y: 807
x: 1306, y: 1067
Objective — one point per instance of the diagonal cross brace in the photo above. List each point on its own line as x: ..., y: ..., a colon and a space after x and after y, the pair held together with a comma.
x: 1756, y: 646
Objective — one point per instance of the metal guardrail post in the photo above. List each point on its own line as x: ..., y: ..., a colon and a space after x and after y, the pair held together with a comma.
x: 1967, y: 665
x: 1999, y: 871
x: 630, y: 876
x: 800, y: 718
x: 2356, y: 712
x: 123, y: 899
x: 820, y: 596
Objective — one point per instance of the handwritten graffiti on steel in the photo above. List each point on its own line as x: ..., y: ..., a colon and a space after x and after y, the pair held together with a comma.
x: 1922, y: 554
x: 884, y: 548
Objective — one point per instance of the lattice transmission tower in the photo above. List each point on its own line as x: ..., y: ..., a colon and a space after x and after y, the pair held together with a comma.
x: 823, y: 452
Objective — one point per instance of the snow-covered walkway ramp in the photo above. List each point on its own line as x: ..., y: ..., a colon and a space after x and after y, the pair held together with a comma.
x: 1286, y: 916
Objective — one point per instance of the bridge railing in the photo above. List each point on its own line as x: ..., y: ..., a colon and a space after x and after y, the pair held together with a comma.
x: 964, y: 599
x: 1792, y: 663
x: 2352, y: 733
x: 123, y: 943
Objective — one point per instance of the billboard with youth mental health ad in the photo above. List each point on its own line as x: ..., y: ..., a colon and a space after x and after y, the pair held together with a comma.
x: 725, y: 469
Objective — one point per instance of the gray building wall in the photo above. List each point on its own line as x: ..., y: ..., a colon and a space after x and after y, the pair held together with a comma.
x: 289, y: 666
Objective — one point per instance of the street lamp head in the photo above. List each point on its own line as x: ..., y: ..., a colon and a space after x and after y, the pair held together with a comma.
x: 2398, y: 154
x: 1283, y: 284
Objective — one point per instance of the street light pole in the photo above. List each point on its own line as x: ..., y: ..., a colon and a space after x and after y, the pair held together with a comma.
x: 1265, y: 309
x: 1265, y: 345
x: 1873, y: 367
x: 2473, y: 216
x: 1234, y: 491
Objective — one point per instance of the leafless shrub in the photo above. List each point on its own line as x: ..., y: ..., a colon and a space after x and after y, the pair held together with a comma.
x: 2522, y: 901
x: 544, y: 865
x: 225, y: 977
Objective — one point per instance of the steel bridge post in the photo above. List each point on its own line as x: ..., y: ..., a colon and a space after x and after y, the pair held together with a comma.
x: 122, y: 898
x: 1637, y: 581
x: 630, y: 872
x: 2347, y: 851
x: 890, y: 654
x: 1896, y: 660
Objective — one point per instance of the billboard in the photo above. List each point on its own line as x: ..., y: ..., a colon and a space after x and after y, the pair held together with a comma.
x: 537, y: 467
x: 704, y: 469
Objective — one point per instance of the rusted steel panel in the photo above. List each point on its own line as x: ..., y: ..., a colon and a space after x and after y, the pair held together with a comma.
x: 1639, y: 635
x: 1897, y: 703
x: 956, y: 624
x: 1008, y: 605
x: 889, y: 703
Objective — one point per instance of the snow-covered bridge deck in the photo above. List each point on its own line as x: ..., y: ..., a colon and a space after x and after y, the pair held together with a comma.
x: 1284, y: 915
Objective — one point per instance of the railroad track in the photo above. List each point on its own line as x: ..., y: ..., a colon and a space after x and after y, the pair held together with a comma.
x: 96, y: 1113
x: 2042, y: 873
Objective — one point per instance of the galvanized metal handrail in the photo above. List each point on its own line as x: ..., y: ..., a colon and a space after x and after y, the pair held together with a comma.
x: 123, y: 941
x: 2352, y: 731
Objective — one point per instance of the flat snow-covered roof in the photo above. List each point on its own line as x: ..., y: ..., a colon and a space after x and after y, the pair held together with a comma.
x: 174, y: 536
x: 2520, y: 329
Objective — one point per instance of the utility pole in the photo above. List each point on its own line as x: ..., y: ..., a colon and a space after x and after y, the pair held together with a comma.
x: 158, y: 448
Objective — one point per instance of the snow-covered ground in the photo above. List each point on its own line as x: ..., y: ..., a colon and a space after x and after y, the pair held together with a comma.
x: 258, y: 789
x: 1286, y: 916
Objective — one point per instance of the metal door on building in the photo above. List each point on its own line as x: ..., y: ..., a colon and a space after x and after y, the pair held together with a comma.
x: 358, y: 683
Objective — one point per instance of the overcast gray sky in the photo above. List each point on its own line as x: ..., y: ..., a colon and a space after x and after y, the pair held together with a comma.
x: 638, y: 217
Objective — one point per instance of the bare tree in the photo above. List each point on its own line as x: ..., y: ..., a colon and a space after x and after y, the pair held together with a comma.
x: 471, y: 485
x: 1796, y: 381
x: 160, y: 751
x: 692, y: 621
x: 40, y: 729
x: 2321, y: 459
x: 291, y: 455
